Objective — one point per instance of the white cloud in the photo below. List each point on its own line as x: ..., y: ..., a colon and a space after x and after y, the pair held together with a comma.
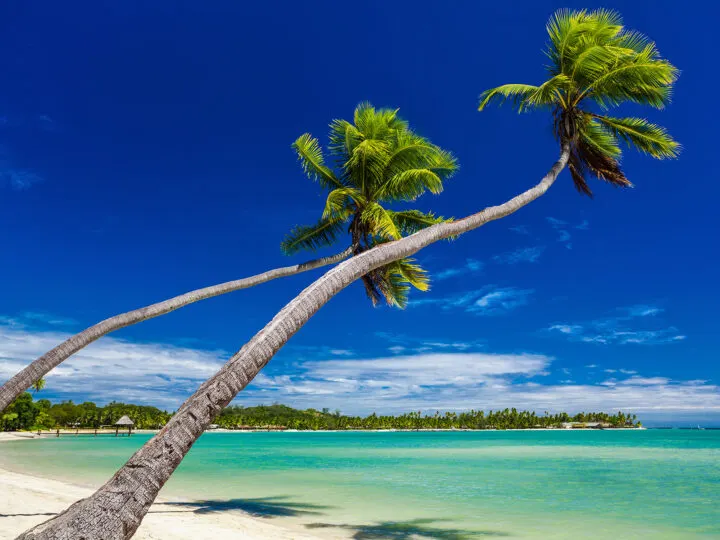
x: 164, y: 375
x: 621, y: 329
x: 111, y: 368
x: 471, y: 266
x: 562, y: 228
x: 500, y: 301
x: 646, y: 381
x: 404, y: 377
x: 461, y: 381
x: 487, y: 301
x: 520, y: 229
x: 409, y: 345
x: 566, y: 328
x: 490, y: 300
x: 526, y: 254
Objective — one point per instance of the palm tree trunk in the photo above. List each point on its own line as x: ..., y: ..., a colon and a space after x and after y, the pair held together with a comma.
x: 25, y: 378
x: 116, y: 510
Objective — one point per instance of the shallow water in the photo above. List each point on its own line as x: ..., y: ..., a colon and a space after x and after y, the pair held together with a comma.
x: 453, y: 485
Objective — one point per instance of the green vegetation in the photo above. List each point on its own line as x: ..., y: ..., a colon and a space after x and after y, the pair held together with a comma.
x: 26, y: 414
x: 281, y: 415
x: 596, y: 64
x: 379, y: 160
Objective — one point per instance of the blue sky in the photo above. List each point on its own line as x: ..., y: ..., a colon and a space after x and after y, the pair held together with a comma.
x: 145, y: 151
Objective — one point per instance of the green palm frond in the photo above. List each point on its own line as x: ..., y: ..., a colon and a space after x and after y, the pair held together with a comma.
x: 643, y: 135
x: 547, y: 93
x: 409, y: 184
x: 635, y: 79
x: 397, y: 278
x: 341, y: 201
x: 379, y: 221
x: 413, y: 273
x: 412, y: 221
x: 518, y: 93
x: 375, y: 124
x: 599, y: 138
x: 594, y: 58
x: 313, y: 163
x: 344, y: 137
x: 312, y: 237
x: 367, y: 163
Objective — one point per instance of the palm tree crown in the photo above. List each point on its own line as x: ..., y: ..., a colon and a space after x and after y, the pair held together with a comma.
x: 596, y: 64
x: 378, y: 160
x: 38, y: 385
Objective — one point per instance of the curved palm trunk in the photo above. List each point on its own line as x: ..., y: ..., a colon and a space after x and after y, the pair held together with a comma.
x: 29, y: 375
x: 116, y: 510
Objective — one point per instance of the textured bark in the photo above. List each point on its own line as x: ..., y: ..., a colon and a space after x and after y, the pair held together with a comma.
x: 40, y: 367
x: 116, y: 510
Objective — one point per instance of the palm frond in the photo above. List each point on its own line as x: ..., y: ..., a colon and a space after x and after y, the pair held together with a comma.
x: 602, y: 140
x: 412, y: 221
x: 593, y: 57
x: 312, y: 237
x: 518, y: 93
x: 413, y: 273
x: 590, y: 161
x: 375, y: 124
x: 367, y: 163
x: 640, y: 78
x: 547, y: 93
x: 341, y: 201
x: 409, y: 184
x: 643, y: 135
x: 396, y: 279
x: 379, y: 221
x: 313, y: 163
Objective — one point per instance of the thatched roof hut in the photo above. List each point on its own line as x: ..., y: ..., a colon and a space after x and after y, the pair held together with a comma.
x: 124, y: 422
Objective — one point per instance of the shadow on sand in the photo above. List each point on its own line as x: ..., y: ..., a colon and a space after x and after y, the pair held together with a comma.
x: 27, y: 515
x: 406, y: 530
x: 268, y: 507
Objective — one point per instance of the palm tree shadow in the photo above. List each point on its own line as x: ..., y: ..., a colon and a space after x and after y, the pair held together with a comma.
x: 268, y: 507
x: 406, y: 530
x: 28, y: 515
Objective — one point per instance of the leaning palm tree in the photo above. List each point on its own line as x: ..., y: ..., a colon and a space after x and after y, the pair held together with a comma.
x: 116, y: 510
x: 596, y: 64
x: 379, y: 160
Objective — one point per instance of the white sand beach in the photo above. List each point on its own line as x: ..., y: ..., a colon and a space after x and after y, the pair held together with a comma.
x: 28, y: 500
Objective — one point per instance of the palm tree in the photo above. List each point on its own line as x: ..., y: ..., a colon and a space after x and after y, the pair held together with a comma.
x: 116, y: 510
x: 597, y: 64
x: 38, y: 385
x: 379, y: 160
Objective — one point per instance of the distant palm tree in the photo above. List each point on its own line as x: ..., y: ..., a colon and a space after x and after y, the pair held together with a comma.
x: 596, y: 64
x: 38, y: 385
x: 379, y: 160
x: 117, y: 508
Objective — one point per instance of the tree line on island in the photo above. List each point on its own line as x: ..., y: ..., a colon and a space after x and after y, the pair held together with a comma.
x: 27, y: 414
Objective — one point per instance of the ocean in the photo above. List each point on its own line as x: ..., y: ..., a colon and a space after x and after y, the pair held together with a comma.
x: 451, y: 485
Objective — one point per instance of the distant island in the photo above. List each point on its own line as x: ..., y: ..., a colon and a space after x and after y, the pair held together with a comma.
x: 30, y: 415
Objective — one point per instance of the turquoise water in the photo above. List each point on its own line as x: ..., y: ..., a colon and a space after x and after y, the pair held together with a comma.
x: 530, y: 484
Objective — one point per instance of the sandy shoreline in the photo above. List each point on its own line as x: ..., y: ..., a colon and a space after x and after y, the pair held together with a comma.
x: 28, y: 500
